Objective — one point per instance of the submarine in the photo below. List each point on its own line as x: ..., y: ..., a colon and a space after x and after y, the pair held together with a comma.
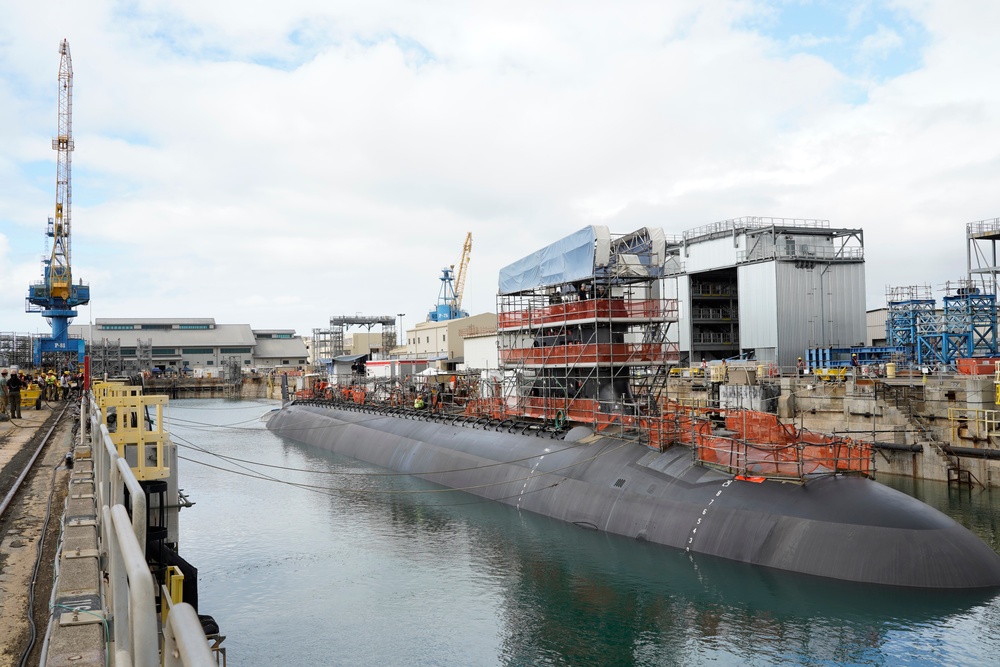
x: 576, y: 426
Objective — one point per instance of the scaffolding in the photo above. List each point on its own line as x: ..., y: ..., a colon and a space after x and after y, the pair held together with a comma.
x: 144, y: 354
x: 322, y: 345
x: 971, y: 311
x: 911, y: 315
x: 981, y: 254
x: 595, y: 350
x: 16, y: 349
x: 333, y: 338
x: 106, y: 358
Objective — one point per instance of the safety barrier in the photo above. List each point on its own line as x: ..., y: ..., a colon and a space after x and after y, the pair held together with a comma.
x: 753, y: 443
x: 972, y: 423
x: 586, y: 310
x: 130, y: 587
x: 136, y: 439
x: 577, y: 355
x: 756, y: 443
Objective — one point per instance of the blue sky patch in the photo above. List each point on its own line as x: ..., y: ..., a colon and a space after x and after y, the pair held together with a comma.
x: 862, y: 39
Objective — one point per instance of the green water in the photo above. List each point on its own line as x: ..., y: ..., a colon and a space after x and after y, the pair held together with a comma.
x: 373, y: 569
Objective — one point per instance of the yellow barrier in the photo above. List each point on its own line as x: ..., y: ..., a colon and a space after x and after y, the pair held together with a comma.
x: 136, y: 440
x: 830, y: 374
x: 978, y: 423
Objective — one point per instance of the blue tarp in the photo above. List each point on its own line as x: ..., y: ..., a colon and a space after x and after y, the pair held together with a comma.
x: 570, y: 259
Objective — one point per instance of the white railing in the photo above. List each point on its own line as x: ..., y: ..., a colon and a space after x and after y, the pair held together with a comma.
x: 130, y: 586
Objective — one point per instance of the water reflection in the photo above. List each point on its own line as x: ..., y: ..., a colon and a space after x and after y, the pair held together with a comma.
x: 573, y: 596
x: 443, y: 578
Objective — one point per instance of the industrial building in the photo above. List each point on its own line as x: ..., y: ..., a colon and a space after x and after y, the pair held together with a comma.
x: 767, y: 289
x: 187, y: 345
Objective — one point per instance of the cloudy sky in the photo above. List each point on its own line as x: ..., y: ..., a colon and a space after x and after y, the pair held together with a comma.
x: 276, y: 163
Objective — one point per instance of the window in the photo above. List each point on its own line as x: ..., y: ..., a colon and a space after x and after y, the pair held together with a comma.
x: 284, y: 362
x: 282, y: 335
x: 428, y: 339
x: 158, y: 327
x: 172, y: 363
x: 128, y: 351
x: 160, y: 351
x: 302, y: 361
x: 210, y: 363
x: 118, y: 327
x: 192, y: 326
x: 197, y: 350
x: 234, y: 350
x: 443, y: 338
x: 246, y: 362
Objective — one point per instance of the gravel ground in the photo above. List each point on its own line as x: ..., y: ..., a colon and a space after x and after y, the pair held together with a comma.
x: 21, y: 529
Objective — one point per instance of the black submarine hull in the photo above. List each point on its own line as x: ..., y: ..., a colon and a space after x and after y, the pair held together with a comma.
x: 840, y: 527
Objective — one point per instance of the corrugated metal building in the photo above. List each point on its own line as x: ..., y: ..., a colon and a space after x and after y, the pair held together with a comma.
x: 768, y: 288
x: 198, y: 342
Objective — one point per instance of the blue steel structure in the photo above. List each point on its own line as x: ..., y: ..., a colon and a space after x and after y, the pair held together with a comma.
x: 974, y: 312
x: 448, y: 305
x: 55, y: 296
x: 966, y: 328
x: 840, y: 357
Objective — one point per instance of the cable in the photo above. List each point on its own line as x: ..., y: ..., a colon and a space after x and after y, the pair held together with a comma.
x: 329, y: 490
x: 104, y: 622
x: 234, y: 459
x: 32, y: 633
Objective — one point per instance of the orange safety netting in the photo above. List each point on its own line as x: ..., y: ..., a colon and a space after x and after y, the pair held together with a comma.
x: 587, y: 310
x: 753, y: 443
x: 577, y: 354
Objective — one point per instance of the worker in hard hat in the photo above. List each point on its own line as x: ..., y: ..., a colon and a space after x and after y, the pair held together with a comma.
x: 50, y: 386
x: 64, y: 386
x: 801, y: 366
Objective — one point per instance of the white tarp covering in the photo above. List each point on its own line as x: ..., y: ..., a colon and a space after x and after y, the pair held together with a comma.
x: 569, y: 259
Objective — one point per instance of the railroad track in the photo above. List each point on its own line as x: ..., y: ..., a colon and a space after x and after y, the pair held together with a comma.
x: 16, y: 471
x: 29, y: 525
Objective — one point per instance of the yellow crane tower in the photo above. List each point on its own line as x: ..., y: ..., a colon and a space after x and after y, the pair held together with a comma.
x: 462, y: 271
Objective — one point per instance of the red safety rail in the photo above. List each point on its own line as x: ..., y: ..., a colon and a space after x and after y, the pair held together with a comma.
x: 977, y: 365
x: 597, y: 353
x: 586, y: 310
x: 754, y: 444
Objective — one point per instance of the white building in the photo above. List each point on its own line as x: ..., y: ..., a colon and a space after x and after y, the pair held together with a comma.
x: 195, y: 343
x: 768, y: 288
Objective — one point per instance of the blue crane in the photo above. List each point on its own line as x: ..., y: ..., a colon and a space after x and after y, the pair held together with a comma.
x: 55, y: 296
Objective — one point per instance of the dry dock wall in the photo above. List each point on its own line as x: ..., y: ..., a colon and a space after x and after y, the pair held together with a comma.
x: 950, y: 410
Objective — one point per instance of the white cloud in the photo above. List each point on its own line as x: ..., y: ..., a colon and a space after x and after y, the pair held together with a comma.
x: 279, y: 163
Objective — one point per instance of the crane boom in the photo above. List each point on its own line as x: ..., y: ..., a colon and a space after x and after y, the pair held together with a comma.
x: 55, y: 296
x: 462, y: 271
x: 60, y: 276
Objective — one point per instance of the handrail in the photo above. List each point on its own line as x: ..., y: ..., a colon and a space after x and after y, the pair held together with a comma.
x: 131, y: 582
x: 130, y: 587
x: 181, y: 646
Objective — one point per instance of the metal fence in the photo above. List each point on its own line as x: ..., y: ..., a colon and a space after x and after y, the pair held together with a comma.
x: 130, y: 590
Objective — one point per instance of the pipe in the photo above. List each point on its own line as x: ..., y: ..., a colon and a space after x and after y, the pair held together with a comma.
x: 893, y: 447
x: 972, y: 452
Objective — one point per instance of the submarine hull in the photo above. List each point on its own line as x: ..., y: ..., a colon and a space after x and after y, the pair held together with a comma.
x: 840, y: 527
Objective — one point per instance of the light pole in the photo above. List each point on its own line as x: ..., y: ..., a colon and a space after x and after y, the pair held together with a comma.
x: 402, y: 334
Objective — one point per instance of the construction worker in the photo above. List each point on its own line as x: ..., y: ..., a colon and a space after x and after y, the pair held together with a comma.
x: 50, y: 386
x: 14, y: 386
x: 3, y: 391
x: 801, y: 365
x: 418, y: 402
x: 64, y: 386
